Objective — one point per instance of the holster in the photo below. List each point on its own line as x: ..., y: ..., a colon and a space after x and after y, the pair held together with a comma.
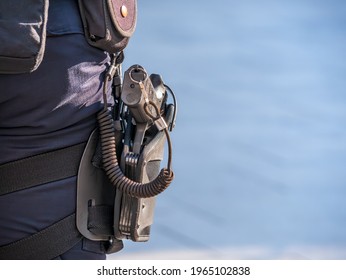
x: 136, y: 215
x: 105, y: 213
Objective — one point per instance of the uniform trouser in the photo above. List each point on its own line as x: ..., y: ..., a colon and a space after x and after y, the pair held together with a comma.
x: 51, y: 108
x: 26, y: 212
x: 84, y: 250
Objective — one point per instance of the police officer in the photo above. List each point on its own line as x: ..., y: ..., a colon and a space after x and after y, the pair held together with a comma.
x: 49, y: 109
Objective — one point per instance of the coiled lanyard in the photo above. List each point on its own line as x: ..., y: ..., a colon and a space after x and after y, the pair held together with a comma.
x: 108, y: 144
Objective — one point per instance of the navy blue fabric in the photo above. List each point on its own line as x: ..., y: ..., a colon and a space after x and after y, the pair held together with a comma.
x: 64, y: 18
x: 53, y: 107
x: 84, y: 250
x: 24, y: 213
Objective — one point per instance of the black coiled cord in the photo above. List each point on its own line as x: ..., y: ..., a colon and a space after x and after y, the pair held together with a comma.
x: 110, y: 160
x: 112, y: 168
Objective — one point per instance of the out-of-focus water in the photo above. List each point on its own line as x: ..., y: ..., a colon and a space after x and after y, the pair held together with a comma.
x: 260, y: 140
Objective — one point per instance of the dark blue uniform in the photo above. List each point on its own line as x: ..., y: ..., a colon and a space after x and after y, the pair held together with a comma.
x: 51, y: 108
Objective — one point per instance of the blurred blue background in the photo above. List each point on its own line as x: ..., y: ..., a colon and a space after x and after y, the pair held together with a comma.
x: 260, y: 140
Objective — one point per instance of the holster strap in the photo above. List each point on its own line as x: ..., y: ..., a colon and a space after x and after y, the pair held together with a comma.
x: 100, y: 220
x: 46, y: 244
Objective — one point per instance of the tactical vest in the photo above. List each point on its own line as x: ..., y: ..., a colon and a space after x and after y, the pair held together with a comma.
x: 108, y: 25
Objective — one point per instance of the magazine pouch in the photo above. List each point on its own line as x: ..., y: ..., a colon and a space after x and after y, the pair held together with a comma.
x: 23, y: 35
x: 108, y: 24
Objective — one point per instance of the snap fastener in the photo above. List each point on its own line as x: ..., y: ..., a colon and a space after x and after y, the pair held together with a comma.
x: 124, y: 11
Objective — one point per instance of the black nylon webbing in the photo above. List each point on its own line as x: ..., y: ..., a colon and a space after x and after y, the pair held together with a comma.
x: 40, y: 169
x: 100, y: 220
x: 46, y: 244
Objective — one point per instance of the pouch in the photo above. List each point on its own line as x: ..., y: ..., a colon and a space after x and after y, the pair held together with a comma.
x: 108, y: 24
x: 23, y: 35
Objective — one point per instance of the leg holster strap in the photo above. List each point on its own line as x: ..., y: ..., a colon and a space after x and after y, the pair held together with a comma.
x: 46, y: 244
x: 36, y: 170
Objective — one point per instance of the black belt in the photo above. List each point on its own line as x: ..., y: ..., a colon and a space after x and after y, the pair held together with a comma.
x: 40, y: 169
x: 36, y: 170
